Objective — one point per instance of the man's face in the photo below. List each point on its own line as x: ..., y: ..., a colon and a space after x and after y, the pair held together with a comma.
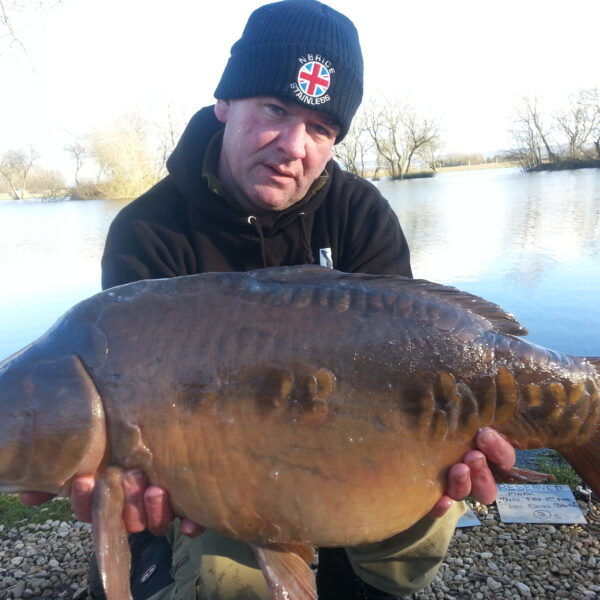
x: 272, y: 150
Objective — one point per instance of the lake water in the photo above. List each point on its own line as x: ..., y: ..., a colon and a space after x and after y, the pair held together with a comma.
x: 529, y: 242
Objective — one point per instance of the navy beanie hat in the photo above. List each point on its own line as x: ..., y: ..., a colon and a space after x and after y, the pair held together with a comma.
x: 301, y: 51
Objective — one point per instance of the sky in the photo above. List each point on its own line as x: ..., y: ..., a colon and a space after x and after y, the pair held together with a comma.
x: 466, y: 63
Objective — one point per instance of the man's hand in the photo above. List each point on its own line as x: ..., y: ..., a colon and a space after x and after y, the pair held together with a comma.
x: 149, y: 507
x: 473, y: 476
x: 146, y: 506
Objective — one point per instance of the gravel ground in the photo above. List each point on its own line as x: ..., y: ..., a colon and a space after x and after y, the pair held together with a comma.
x: 493, y: 561
x: 44, y: 561
x: 509, y: 560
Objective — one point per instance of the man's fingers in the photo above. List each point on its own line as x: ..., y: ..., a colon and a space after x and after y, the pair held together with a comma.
x: 483, y: 484
x: 35, y: 498
x: 458, y: 486
x: 149, y: 507
x: 441, y: 507
x: 495, y: 447
x: 191, y: 529
x: 82, y: 489
x: 159, y: 513
x: 134, y: 508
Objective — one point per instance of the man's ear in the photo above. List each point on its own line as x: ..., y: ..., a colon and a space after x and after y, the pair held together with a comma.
x: 222, y: 110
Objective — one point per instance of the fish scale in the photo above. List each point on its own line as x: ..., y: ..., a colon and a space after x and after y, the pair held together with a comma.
x: 287, y: 407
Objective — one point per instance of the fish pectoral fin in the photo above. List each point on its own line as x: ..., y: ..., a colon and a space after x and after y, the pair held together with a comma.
x: 287, y: 571
x: 109, y: 534
x: 516, y: 475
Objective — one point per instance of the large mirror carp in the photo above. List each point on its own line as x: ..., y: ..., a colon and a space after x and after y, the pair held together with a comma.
x: 288, y: 407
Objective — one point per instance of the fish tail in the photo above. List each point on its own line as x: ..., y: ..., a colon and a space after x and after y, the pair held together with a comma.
x: 585, y: 459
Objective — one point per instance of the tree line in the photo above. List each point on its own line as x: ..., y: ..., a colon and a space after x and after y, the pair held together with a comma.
x: 121, y: 160
x: 386, y: 138
x: 125, y: 158
x: 566, y: 138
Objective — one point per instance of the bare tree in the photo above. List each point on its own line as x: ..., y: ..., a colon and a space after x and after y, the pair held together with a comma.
x: 124, y: 158
x: 421, y: 137
x: 577, y: 131
x: 7, y: 30
x: 531, y: 136
x: 591, y: 100
x: 399, y: 133
x: 528, y: 150
x: 78, y: 151
x: 375, y: 128
x: 531, y: 113
x: 577, y: 123
x: 129, y: 155
x: 430, y: 154
x: 15, y: 166
x: 167, y: 133
x: 354, y: 149
x: 9, y: 9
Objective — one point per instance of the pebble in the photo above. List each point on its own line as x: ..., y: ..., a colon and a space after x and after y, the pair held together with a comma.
x: 524, y: 590
x: 18, y: 589
x: 494, y: 561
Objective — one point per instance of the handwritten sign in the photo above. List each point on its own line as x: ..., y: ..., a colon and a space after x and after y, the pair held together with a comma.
x: 538, y: 503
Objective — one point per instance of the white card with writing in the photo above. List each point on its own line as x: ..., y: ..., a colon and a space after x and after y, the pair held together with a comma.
x: 538, y: 503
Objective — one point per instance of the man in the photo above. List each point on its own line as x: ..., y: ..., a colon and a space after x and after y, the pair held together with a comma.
x: 252, y: 184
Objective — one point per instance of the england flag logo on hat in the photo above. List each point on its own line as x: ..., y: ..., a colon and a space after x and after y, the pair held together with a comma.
x: 314, y: 79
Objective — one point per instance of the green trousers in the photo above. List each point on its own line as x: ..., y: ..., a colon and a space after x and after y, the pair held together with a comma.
x: 212, y: 567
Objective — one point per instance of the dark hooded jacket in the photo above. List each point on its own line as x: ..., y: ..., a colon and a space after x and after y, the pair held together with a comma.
x: 182, y: 227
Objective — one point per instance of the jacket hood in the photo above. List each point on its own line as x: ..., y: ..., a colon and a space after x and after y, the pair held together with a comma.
x: 185, y: 168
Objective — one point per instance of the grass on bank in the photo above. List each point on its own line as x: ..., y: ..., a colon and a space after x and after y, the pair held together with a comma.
x: 14, y: 512
x: 554, y: 464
